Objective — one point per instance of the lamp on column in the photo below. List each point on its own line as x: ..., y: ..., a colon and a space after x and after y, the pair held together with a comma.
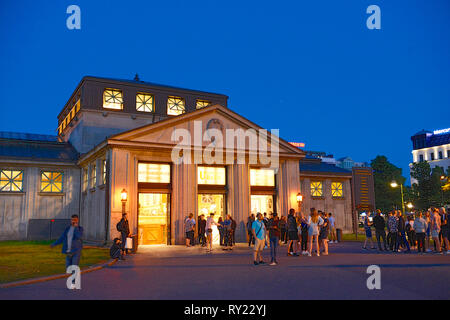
x: 123, y: 198
x: 299, y: 200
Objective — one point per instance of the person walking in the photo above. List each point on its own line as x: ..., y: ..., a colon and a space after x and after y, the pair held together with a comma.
x: 292, y: 233
x: 314, y: 221
x: 380, y: 233
x: 259, y: 233
x: 420, y: 227
x: 72, y: 240
x: 124, y: 228
x: 189, y: 227
x: 274, y: 238
x: 367, y: 228
x: 251, y: 239
x: 209, y: 224
x: 332, y: 222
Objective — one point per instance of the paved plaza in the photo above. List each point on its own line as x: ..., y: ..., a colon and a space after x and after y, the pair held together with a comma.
x: 176, y: 272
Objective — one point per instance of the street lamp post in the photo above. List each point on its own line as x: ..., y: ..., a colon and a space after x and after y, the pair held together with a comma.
x: 395, y: 185
x: 442, y: 191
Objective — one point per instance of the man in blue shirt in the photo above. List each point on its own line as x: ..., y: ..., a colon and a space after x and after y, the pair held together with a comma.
x: 259, y: 233
x: 72, y: 240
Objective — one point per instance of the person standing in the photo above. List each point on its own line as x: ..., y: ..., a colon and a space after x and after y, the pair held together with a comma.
x: 420, y: 227
x: 202, y: 230
x: 445, y: 228
x: 72, y: 240
x: 292, y: 233
x: 251, y: 239
x: 228, y: 241
x: 367, y: 228
x: 435, y: 229
x: 402, y: 231
x: 323, y: 234
x: 380, y: 225
x: 393, y: 231
x: 314, y: 221
x: 332, y: 223
x: 221, y: 228
x: 124, y: 228
x: 274, y: 237
x: 233, y: 231
x: 428, y: 233
x: 209, y: 224
x: 259, y: 232
x: 304, y: 242
x: 189, y: 225
x: 410, y: 232
x: 283, y: 229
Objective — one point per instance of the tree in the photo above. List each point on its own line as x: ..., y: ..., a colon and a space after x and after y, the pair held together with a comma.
x: 429, y: 185
x: 384, y: 172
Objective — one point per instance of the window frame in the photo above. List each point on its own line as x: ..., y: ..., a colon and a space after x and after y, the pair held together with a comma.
x: 337, y: 189
x: 93, y: 176
x: 197, y: 101
x: 112, y: 97
x: 142, y: 105
x: 169, y: 98
x: 313, y: 191
x: 12, y: 179
x: 51, y: 184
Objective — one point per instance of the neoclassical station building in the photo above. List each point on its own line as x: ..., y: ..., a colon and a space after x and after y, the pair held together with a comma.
x: 114, y: 153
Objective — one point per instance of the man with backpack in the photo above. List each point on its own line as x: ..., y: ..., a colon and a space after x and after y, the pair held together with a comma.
x: 124, y: 228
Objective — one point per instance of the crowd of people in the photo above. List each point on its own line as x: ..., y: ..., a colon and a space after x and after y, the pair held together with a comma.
x: 422, y: 231
x: 303, y: 235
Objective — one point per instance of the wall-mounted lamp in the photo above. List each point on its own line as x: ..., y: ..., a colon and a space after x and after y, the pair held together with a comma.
x: 123, y: 198
x: 299, y: 197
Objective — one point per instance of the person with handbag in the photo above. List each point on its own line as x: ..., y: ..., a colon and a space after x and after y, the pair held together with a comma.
x: 124, y: 228
x: 72, y: 240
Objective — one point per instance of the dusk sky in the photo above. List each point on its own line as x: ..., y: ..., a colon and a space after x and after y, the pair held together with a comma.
x: 310, y: 68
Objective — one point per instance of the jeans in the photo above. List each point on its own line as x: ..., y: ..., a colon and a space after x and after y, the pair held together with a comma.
x: 403, y: 238
x: 304, y: 246
x: 284, y: 235
x: 393, y: 245
x: 420, y: 241
x: 273, y: 248
x: 380, y: 234
x: 73, y: 258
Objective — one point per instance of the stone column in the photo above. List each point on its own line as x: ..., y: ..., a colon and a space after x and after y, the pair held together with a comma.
x: 288, y: 182
x: 239, y: 197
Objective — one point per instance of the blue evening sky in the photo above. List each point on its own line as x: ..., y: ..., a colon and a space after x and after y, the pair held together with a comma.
x: 310, y: 68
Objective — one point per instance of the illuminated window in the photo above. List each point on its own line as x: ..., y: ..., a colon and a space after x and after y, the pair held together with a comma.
x: 112, y: 99
x: 93, y: 175
x: 262, y: 177
x: 175, y: 106
x: 202, y: 104
x: 144, y: 102
x: 104, y: 171
x: 154, y: 172
x: 337, y: 189
x: 11, y: 180
x: 211, y: 175
x: 51, y: 181
x: 316, y: 189
x: 85, y: 179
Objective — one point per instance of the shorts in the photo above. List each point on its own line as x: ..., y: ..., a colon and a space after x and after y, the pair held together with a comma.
x: 189, y: 234
x: 259, y: 244
x: 434, y: 233
x: 323, y: 235
x: 293, y: 235
x: 368, y: 233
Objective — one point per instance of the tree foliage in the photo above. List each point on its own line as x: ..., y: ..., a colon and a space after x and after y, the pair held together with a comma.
x: 384, y: 172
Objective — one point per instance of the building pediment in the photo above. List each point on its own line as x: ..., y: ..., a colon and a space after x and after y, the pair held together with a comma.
x: 208, y: 127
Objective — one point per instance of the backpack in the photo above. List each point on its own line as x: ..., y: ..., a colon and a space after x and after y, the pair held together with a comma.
x: 119, y: 226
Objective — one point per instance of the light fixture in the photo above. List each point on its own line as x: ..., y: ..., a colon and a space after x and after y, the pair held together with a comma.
x: 394, y: 184
x: 410, y: 205
x: 299, y: 197
x: 124, y: 195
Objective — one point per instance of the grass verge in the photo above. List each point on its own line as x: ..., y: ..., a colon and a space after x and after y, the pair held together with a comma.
x: 21, y: 260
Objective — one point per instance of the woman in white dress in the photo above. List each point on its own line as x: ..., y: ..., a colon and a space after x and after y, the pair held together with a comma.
x: 314, y: 221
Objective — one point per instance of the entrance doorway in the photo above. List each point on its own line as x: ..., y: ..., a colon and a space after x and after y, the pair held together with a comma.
x: 212, y: 203
x: 262, y: 203
x: 153, y: 218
